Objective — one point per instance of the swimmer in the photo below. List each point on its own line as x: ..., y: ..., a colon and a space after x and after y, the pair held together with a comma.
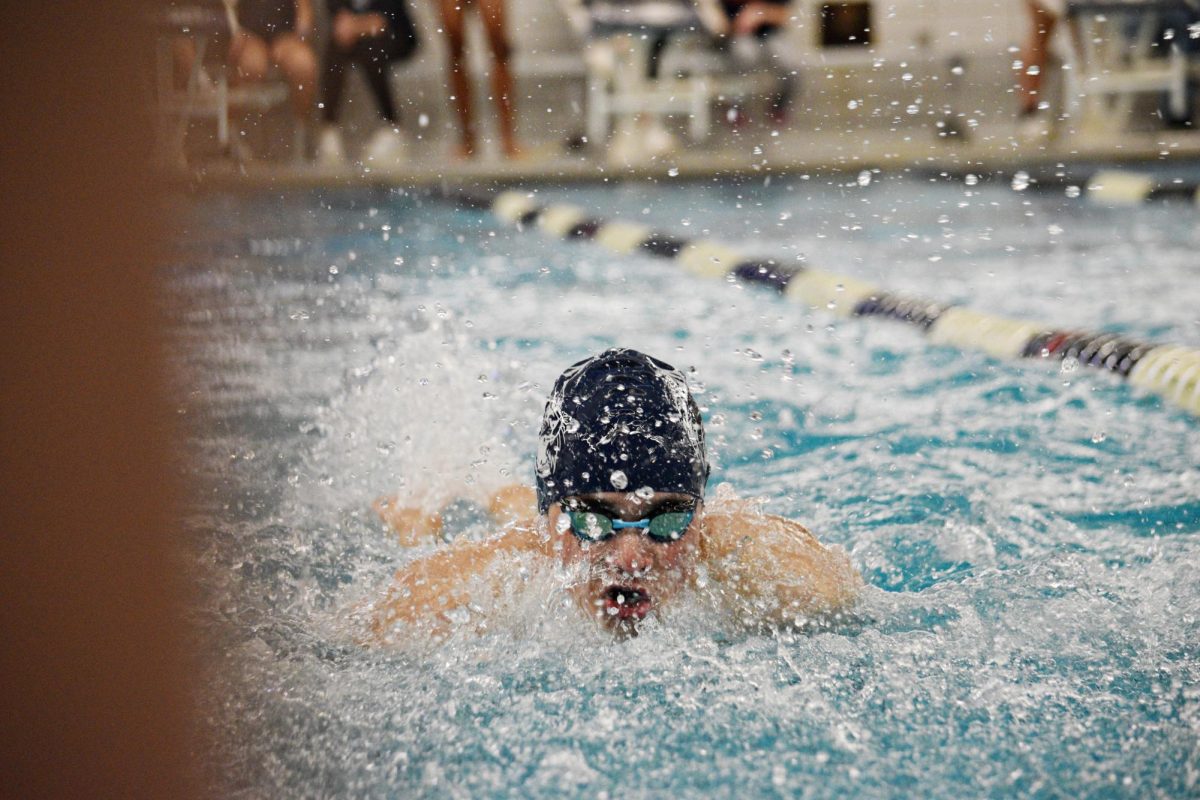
x: 620, y: 504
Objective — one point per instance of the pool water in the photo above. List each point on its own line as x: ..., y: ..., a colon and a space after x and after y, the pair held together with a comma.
x: 1029, y: 531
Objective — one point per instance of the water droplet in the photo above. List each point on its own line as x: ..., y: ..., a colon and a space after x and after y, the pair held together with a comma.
x: 864, y: 178
x: 1098, y: 437
x: 618, y: 479
x: 644, y: 493
x: 1020, y: 181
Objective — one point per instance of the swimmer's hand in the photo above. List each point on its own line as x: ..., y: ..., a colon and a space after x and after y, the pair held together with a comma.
x: 413, y: 526
x: 513, y: 504
x: 773, y: 571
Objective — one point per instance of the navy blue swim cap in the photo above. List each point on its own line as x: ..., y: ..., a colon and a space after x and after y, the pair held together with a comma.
x: 618, y: 422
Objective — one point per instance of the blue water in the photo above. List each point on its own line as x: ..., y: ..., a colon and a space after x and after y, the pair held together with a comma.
x: 1029, y: 533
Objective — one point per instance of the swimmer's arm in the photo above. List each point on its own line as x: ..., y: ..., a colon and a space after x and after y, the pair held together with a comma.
x: 413, y: 526
x: 425, y: 591
x: 774, y: 570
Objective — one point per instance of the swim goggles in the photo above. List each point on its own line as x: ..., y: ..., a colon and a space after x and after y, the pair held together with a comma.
x: 592, y: 526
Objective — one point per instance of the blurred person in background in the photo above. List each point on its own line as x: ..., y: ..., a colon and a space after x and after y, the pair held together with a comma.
x: 372, y: 34
x: 1180, y: 28
x: 1034, y: 117
x: 492, y: 14
x: 262, y: 34
x: 275, y: 32
x: 747, y: 31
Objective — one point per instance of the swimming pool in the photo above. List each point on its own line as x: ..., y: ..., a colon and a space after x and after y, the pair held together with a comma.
x: 1028, y: 531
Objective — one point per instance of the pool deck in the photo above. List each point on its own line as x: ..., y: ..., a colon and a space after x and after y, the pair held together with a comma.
x: 758, y: 152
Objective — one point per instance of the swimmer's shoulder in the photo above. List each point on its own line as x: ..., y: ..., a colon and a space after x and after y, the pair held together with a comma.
x: 725, y: 529
x: 524, y: 536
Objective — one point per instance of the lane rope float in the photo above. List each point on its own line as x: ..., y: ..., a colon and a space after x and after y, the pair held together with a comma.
x: 1170, y: 371
x: 1120, y: 188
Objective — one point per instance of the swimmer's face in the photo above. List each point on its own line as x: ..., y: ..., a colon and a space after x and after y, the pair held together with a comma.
x: 630, y: 575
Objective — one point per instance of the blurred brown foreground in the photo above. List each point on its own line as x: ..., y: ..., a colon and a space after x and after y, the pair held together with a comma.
x: 91, y: 640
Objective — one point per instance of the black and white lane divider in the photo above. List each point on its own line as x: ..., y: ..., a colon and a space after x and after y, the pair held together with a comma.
x: 1169, y: 371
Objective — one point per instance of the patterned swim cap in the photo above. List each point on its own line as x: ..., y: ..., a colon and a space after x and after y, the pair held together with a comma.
x: 616, y: 422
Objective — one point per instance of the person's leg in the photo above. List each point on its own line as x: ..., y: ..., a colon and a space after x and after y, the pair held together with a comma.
x: 493, y: 14
x: 1035, y: 56
x: 460, y: 83
x: 780, y: 63
x: 299, y: 66
x: 330, y: 150
x: 183, y: 56
x: 654, y: 55
x: 250, y: 58
x: 334, y: 81
x: 376, y: 69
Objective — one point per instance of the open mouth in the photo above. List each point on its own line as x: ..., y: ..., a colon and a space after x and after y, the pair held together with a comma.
x: 626, y: 602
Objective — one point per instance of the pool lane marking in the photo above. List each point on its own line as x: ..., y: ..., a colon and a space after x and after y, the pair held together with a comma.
x: 709, y: 259
x: 621, y: 237
x: 560, y: 220
x: 1119, y: 187
x: 1169, y: 371
x: 999, y: 337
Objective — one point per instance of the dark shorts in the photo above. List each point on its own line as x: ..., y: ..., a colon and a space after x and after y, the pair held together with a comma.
x: 385, y: 49
x: 267, y: 18
x: 733, y: 7
x: 400, y: 41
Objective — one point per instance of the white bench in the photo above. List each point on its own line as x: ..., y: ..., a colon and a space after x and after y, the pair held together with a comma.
x: 1116, y: 58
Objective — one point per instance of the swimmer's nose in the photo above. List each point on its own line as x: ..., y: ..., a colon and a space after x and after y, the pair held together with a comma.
x: 629, y: 552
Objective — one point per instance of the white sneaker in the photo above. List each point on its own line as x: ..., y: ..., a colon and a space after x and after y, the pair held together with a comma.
x: 640, y: 141
x: 330, y: 152
x: 1035, y: 129
x: 625, y: 147
x: 385, y: 150
x: 657, y: 140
